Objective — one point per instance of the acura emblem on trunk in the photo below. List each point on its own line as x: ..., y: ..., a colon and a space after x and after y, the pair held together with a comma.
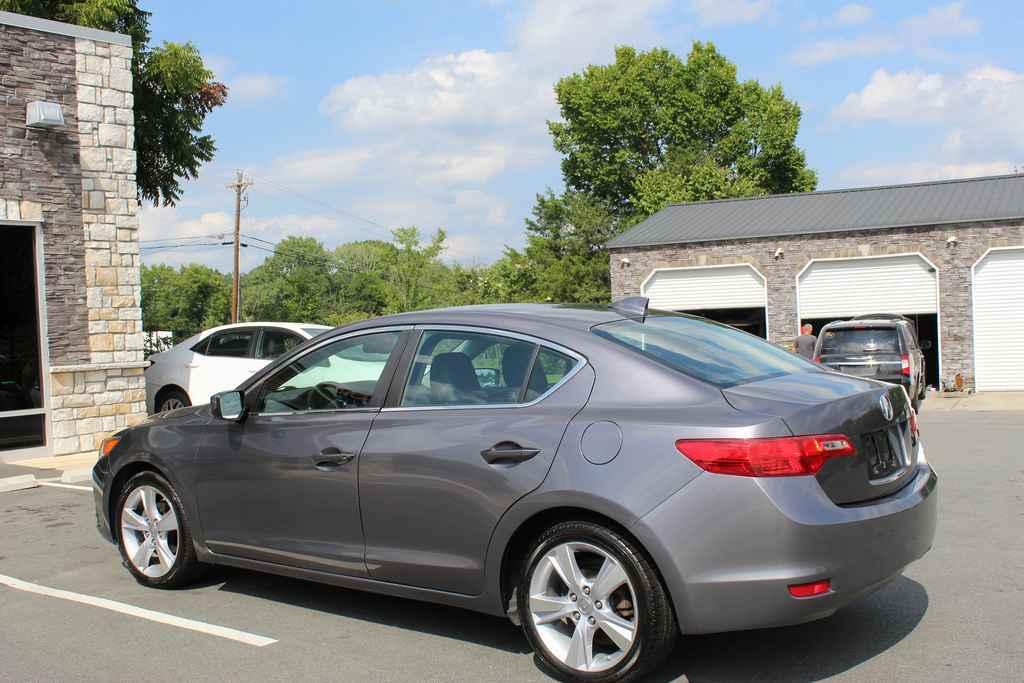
x: 886, y: 405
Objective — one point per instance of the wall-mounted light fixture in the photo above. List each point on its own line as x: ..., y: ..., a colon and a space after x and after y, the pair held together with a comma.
x: 624, y: 262
x: 952, y: 241
x: 778, y: 254
x: 41, y: 114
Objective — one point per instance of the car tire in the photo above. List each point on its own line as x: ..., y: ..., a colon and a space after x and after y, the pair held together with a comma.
x: 149, y: 508
x: 172, y: 399
x: 648, y: 610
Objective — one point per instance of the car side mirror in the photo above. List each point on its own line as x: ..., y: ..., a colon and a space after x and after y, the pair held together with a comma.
x: 926, y: 344
x: 228, y: 405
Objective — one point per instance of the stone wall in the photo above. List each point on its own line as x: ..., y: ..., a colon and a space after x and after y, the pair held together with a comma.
x: 78, y: 181
x: 953, y: 264
x: 107, y: 139
x: 40, y: 177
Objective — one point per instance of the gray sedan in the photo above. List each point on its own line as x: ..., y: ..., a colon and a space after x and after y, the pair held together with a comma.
x: 608, y: 477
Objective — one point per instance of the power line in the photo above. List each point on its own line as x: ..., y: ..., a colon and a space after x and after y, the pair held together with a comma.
x: 219, y: 235
x: 327, y: 205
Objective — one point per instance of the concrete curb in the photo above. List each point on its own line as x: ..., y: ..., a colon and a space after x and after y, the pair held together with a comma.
x: 76, y: 476
x: 18, y: 483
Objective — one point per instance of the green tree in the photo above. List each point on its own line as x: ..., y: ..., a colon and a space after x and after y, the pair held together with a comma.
x: 184, y: 301
x: 417, y: 276
x: 298, y: 283
x: 651, y: 128
x: 173, y: 92
x: 564, y: 259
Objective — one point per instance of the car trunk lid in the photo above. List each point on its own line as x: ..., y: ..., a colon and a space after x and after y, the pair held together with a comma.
x: 830, y: 403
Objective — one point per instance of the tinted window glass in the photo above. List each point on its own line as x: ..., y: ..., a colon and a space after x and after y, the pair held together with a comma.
x: 201, y: 346
x: 860, y: 340
x: 341, y: 375
x: 711, y: 352
x: 234, y: 343
x: 468, y: 368
x: 550, y: 368
x: 276, y: 343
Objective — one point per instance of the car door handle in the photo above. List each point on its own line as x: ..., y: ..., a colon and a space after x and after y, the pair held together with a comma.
x: 508, y: 452
x: 331, y: 459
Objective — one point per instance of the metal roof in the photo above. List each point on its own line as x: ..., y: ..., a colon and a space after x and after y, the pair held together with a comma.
x: 63, y: 29
x: 864, y: 208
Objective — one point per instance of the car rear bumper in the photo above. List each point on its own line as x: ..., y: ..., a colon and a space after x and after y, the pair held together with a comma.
x: 730, y: 547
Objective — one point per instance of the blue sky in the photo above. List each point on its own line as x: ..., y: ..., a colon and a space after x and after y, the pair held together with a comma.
x: 352, y: 117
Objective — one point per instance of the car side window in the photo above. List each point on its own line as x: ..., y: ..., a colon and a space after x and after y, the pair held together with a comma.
x: 276, y: 342
x: 550, y: 369
x: 342, y: 375
x: 231, y: 343
x: 453, y: 368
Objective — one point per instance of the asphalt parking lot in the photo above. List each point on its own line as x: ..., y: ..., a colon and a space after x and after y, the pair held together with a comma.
x: 955, y: 615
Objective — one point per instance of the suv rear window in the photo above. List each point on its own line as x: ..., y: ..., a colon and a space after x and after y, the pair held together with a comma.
x: 859, y: 340
x: 711, y: 352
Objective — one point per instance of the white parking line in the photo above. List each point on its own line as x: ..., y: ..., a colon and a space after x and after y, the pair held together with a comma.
x: 65, y: 486
x: 142, y: 613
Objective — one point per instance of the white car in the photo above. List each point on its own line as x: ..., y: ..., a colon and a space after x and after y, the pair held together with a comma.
x: 218, y: 359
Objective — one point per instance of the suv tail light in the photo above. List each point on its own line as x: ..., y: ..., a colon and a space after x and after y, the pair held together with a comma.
x: 776, y: 457
x: 905, y: 365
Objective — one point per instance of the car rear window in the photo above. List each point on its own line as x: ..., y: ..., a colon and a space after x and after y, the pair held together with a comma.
x: 859, y: 340
x: 711, y: 352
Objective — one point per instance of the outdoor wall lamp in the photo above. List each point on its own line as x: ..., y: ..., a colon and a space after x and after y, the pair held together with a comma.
x: 624, y: 262
x: 779, y: 254
x: 41, y: 114
x: 952, y: 241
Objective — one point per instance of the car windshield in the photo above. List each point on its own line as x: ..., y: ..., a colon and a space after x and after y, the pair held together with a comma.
x: 859, y: 340
x: 715, y: 353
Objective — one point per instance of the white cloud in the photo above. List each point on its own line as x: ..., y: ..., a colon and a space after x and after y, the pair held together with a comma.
x: 720, y: 12
x: 921, y: 171
x: 321, y: 167
x: 988, y: 96
x: 847, y: 15
x: 255, y: 87
x: 976, y: 114
x: 917, y: 33
x: 943, y: 21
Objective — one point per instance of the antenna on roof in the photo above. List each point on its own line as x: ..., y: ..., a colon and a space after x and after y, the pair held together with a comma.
x: 631, y: 307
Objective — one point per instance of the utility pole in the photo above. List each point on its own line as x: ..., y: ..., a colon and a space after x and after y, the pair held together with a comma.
x: 239, y: 186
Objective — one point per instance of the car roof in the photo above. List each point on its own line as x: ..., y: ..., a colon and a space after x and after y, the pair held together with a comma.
x: 295, y: 327
x: 580, y: 317
x: 864, y: 322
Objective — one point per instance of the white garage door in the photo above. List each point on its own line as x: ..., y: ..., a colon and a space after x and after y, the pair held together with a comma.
x: 849, y: 287
x: 999, y: 321
x: 694, y: 289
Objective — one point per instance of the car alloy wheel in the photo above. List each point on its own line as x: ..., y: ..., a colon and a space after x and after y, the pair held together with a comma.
x: 172, y: 403
x: 583, y: 606
x: 149, y: 531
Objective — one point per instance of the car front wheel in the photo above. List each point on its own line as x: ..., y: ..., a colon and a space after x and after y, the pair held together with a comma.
x: 592, y: 605
x: 153, y: 533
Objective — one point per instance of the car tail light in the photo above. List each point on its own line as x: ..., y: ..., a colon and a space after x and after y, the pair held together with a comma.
x: 905, y: 365
x: 817, y: 359
x: 809, y: 590
x: 776, y: 457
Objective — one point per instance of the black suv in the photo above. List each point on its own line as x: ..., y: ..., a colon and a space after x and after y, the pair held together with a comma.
x: 880, y: 346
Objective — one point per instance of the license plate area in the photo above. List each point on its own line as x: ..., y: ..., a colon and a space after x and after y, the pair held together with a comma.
x: 859, y: 370
x: 886, y: 453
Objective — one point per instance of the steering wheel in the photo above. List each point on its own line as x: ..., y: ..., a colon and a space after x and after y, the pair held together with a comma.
x: 332, y: 392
